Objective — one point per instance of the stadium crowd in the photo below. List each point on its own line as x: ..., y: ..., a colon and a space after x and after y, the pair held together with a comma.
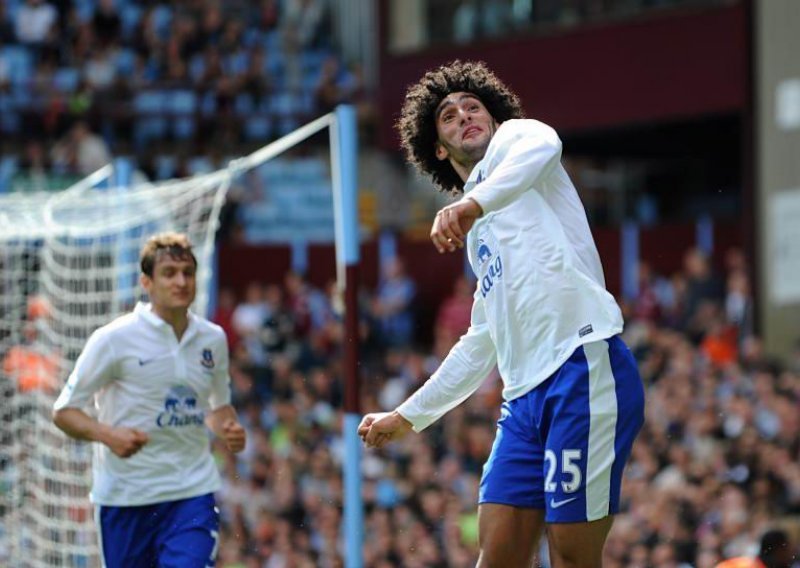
x: 715, y: 466
x: 161, y: 78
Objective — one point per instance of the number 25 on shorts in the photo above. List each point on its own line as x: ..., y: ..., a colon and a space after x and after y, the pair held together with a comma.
x: 571, y: 476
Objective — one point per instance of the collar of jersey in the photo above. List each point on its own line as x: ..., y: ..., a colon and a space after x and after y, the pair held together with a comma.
x: 472, y: 180
x: 145, y: 311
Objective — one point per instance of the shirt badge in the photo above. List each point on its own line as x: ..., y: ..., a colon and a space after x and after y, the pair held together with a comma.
x: 208, y: 359
x: 484, y: 252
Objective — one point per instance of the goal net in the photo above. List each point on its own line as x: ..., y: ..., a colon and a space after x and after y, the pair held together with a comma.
x: 69, y: 264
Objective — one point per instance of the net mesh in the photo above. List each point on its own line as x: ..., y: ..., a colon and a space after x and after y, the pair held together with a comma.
x: 69, y: 264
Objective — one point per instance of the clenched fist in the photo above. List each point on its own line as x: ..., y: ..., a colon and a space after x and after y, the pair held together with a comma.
x: 125, y: 442
x: 234, y: 435
x: 452, y: 223
x: 379, y: 428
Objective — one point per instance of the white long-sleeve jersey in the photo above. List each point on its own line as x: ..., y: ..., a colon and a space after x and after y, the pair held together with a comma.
x: 140, y: 376
x: 540, y: 292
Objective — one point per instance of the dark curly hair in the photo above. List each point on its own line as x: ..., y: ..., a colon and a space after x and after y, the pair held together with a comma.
x: 417, y: 124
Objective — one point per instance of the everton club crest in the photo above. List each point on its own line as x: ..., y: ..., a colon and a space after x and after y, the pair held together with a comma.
x: 208, y: 359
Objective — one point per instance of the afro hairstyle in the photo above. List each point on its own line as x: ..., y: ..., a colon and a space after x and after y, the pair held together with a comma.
x: 417, y: 124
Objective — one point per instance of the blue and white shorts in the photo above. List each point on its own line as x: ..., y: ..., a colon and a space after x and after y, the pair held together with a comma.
x: 173, y: 534
x: 562, y: 446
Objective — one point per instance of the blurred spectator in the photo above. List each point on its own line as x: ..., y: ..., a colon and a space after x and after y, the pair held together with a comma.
x: 267, y: 15
x: 735, y: 260
x: 775, y: 551
x: 106, y: 23
x: 254, y: 81
x: 739, y: 303
x: 81, y: 150
x: 100, y: 70
x: 82, y: 43
x: 702, y: 285
x: 720, y: 342
x: 453, y: 318
x: 36, y: 23
x: 79, y: 101
x: 249, y: 316
x: 33, y: 366
x: 35, y: 165
x: 223, y: 316
x: 279, y: 327
x: 329, y: 92
x: 298, y: 299
x: 309, y: 307
x: 147, y: 37
x: 8, y: 34
x: 648, y: 302
x: 392, y: 306
x: 304, y: 23
x: 210, y: 32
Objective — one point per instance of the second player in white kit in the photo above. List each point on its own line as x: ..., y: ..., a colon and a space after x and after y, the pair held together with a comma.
x: 158, y: 378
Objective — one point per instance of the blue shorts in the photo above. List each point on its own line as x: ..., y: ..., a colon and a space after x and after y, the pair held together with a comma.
x: 562, y: 446
x: 173, y: 534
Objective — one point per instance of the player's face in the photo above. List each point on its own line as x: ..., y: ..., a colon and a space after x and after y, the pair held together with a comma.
x: 173, y: 284
x: 464, y: 127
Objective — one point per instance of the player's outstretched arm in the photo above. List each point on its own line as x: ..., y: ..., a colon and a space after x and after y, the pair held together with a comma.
x: 526, y: 152
x: 380, y: 428
x: 75, y: 423
x: 224, y: 422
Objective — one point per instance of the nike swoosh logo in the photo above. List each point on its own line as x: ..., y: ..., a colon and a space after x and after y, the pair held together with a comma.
x: 556, y: 504
x: 143, y: 362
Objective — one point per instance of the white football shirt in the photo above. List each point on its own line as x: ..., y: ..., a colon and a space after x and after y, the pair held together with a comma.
x: 141, y: 377
x: 541, y: 290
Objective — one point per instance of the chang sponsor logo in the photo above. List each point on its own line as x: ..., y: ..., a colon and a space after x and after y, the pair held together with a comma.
x: 180, y: 409
x: 494, y: 269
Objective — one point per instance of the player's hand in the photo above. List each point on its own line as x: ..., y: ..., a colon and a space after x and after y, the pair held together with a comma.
x: 125, y: 442
x: 380, y: 428
x: 452, y: 223
x: 234, y: 435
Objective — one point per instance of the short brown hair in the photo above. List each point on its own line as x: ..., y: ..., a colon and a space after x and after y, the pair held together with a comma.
x: 176, y: 245
x: 417, y: 124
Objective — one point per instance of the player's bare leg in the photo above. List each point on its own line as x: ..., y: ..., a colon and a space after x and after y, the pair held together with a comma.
x: 508, y: 536
x: 578, y: 545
